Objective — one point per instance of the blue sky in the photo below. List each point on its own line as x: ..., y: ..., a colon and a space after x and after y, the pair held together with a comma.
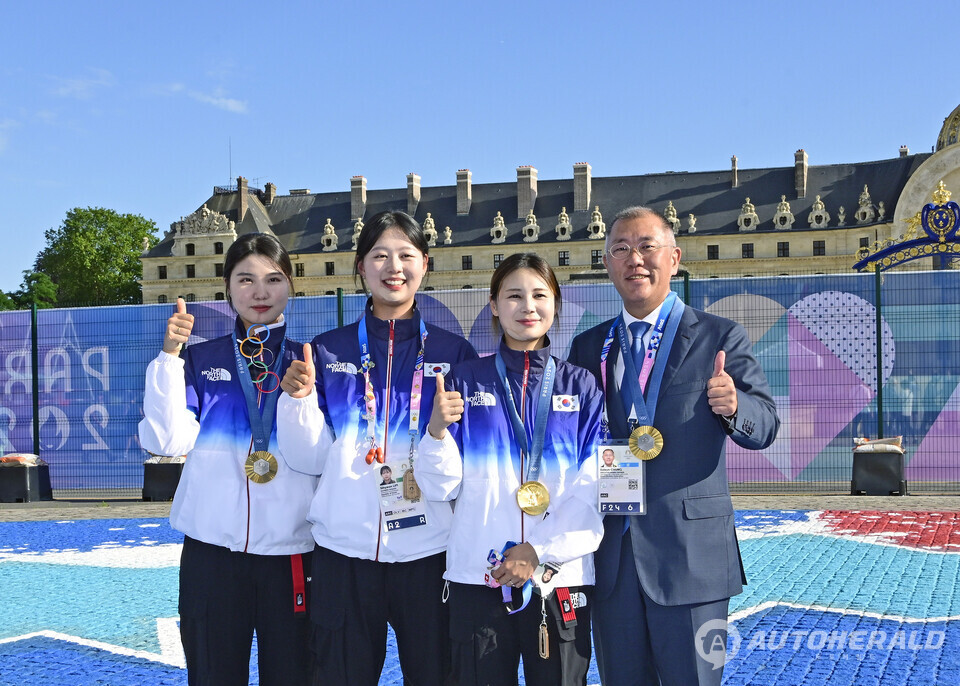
x: 144, y: 107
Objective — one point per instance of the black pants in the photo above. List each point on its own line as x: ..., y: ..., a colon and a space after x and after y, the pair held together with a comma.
x: 352, y: 602
x: 488, y: 643
x: 224, y: 597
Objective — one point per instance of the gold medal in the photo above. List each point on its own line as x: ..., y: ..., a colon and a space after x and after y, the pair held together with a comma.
x: 260, y: 467
x: 646, y: 442
x: 411, y: 491
x: 533, y: 498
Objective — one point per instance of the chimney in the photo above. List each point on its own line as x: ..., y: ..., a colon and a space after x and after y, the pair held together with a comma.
x: 581, y: 187
x: 800, y: 174
x: 358, y: 197
x: 242, y: 192
x: 734, y: 182
x: 464, y: 191
x: 904, y: 151
x: 413, y: 193
x: 526, y: 190
x: 269, y: 193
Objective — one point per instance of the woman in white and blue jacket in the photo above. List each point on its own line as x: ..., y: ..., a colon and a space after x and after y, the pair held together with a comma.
x: 242, y: 510
x: 517, y: 456
x: 353, y: 408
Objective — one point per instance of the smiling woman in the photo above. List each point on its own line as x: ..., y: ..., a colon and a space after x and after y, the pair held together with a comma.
x: 354, y: 417
x: 242, y: 509
x: 512, y: 438
x: 392, y: 261
x: 524, y: 299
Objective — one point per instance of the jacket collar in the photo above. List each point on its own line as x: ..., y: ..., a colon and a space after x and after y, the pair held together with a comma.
x: 403, y: 329
x: 513, y: 359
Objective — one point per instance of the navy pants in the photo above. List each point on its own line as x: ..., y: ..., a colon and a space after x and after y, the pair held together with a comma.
x: 488, y: 643
x: 641, y: 643
x: 224, y: 597
x: 352, y: 602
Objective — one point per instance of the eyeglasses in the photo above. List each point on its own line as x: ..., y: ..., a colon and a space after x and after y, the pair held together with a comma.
x: 621, y: 251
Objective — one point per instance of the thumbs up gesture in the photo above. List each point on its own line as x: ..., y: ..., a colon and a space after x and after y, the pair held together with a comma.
x: 300, y: 377
x: 721, y: 393
x: 447, y: 409
x: 178, y: 329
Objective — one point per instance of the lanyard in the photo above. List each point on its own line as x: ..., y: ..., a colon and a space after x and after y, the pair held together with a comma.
x: 651, y: 372
x: 258, y: 427
x: 370, y: 399
x: 535, y: 451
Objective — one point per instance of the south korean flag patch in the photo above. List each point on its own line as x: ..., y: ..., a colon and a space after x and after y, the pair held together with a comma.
x: 434, y: 368
x: 566, y: 403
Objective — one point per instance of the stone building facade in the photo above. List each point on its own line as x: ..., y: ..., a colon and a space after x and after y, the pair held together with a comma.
x: 799, y: 219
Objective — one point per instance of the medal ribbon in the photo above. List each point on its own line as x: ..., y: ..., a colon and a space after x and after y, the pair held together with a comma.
x: 370, y: 399
x: 526, y: 591
x: 535, y: 451
x: 634, y: 382
x: 258, y: 427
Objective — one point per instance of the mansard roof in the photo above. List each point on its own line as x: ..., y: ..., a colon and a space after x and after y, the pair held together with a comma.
x: 298, y: 219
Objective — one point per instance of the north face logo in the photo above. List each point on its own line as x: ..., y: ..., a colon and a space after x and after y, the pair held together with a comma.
x: 216, y: 374
x: 343, y: 367
x: 481, y: 399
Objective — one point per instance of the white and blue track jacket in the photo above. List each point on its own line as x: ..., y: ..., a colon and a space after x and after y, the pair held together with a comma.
x: 327, y: 435
x: 194, y: 405
x: 477, y: 464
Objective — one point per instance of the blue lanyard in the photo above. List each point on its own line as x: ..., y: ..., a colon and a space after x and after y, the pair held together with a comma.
x: 661, y: 341
x: 261, y: 420
x: 535, y: 453
x: 370, y: 401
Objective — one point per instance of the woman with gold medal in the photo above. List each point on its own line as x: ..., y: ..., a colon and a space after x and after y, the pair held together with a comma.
x: 512, y: 440
x: 354, y: 412
x: 242, y: 510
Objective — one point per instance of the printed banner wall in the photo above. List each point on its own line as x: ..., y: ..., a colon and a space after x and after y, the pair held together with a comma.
x: 816, y: 337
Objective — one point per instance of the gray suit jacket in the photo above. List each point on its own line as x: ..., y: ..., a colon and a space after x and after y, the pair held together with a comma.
x: 685, y: 546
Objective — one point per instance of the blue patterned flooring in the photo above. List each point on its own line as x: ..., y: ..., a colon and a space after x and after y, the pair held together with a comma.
x: 834, y: 598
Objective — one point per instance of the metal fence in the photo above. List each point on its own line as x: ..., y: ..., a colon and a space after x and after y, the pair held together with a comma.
x: 74, y: 376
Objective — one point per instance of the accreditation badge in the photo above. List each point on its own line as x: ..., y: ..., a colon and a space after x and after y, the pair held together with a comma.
x: 401, y: 504
x: 620, y: 479
x: 545, y: 578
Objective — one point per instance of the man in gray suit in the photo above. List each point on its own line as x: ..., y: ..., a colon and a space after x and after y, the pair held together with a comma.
x: 686, y: 381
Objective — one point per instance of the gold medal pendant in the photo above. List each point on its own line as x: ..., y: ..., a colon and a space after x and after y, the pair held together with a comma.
x: 533, y: 498
x: 411, y: 491
x: 646, y: 442
x: 260, y: 467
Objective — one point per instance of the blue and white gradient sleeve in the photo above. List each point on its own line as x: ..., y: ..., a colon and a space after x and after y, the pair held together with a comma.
x: 573, y: 526
x: 439, y: 467
x: 168, y: 427
x: 303, y: 435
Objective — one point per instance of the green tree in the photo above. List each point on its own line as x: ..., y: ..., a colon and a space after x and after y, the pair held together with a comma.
x: 93, y: 257
x: 7, y: 302
x: 36, y: 287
